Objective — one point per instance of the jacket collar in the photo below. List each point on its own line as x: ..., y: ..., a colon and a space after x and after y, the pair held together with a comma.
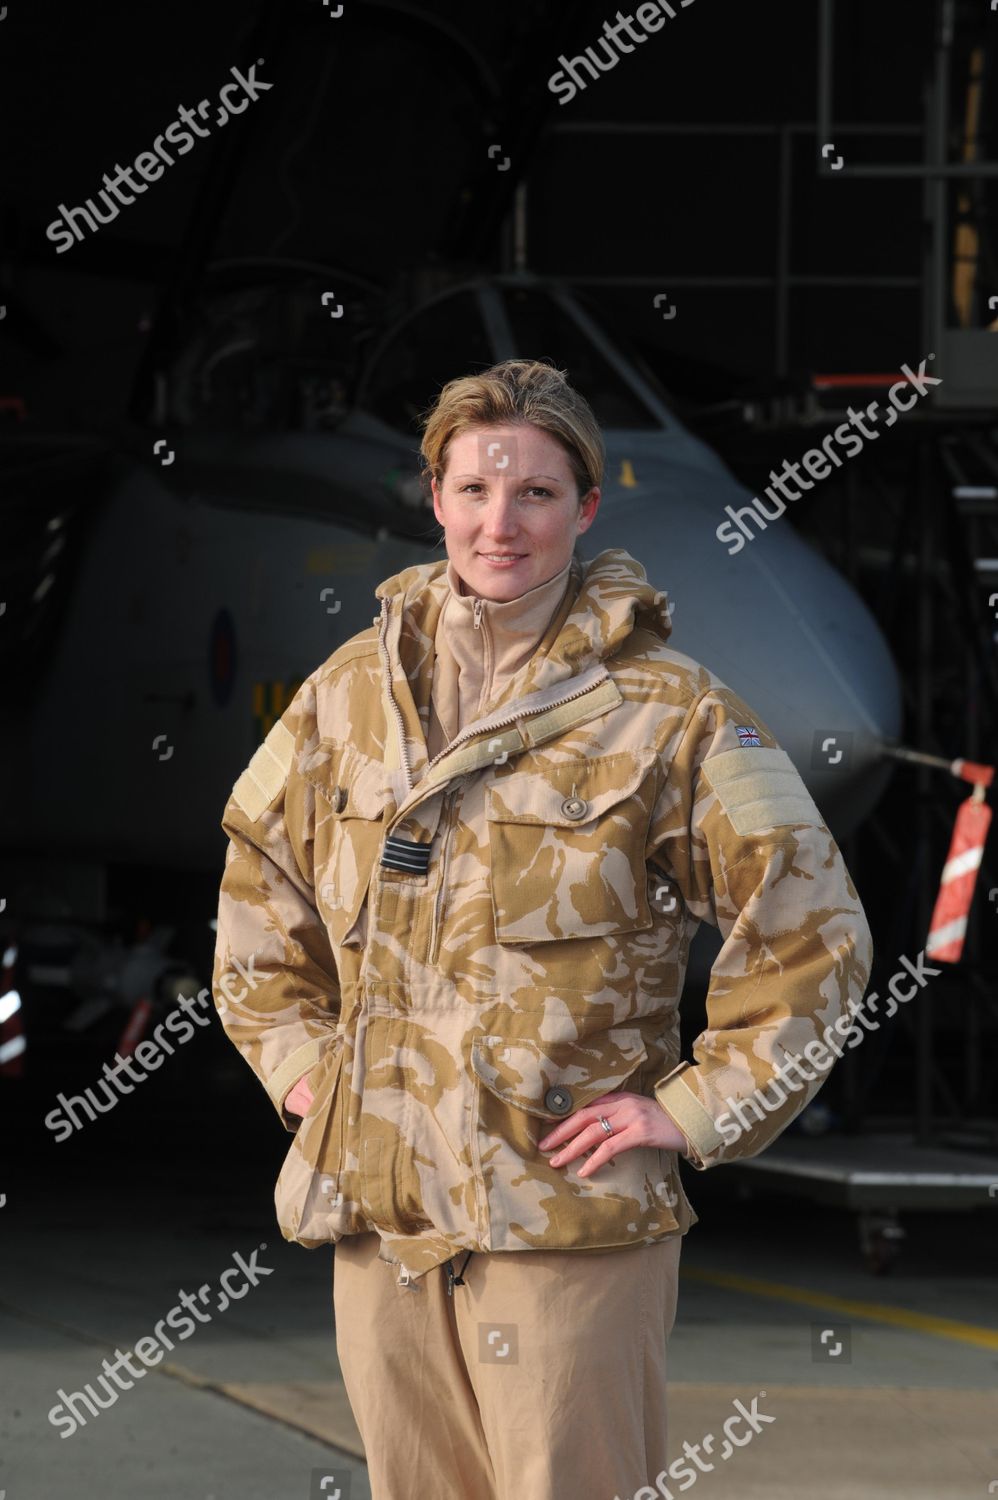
x: 515, y: 624
x: 607, y: 598
x: 613, y: 597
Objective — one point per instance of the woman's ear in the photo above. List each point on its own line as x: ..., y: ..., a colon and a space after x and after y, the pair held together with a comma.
x: 435, y: 492
x: 588, y: 506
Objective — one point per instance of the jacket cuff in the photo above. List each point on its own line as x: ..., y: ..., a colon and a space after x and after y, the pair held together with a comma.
x: 684, y: 1108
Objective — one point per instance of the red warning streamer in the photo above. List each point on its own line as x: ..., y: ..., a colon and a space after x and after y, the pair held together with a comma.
x: 948, y: 927
x: 12, y: 1039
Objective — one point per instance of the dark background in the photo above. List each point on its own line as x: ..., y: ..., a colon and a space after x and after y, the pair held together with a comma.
x: 371, y: 152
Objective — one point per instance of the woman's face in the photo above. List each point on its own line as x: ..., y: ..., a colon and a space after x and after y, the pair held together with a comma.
x: 509, y: 506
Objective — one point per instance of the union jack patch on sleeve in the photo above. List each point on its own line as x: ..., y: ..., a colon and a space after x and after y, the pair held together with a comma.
x: 748, y: 736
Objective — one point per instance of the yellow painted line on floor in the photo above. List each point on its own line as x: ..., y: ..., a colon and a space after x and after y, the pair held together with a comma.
x: 874, y: 1312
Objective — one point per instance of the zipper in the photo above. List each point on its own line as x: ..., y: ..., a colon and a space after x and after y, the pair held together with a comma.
x: 338, y: 1094
x: 400, y: 722
x: 431, y: 956
x: 478, y: 616
x: 512, y: 718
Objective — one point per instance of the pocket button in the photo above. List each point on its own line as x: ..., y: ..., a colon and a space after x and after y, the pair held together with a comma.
x: 558, y: 1101
x: 574, y: 807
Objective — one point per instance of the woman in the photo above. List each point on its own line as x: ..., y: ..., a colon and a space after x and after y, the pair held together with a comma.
x: 464, y: 870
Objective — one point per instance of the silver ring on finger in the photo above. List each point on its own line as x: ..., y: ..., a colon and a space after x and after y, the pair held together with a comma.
x: 606, y: 1124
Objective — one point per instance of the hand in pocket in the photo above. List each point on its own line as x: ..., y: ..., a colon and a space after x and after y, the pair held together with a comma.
x: 299, y: 1100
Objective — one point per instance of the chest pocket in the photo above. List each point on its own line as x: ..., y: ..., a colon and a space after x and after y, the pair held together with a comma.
x: 567, y: 848
x: 351, y: 803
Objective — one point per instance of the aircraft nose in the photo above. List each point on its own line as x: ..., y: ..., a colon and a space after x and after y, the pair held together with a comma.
x: 777, y: 624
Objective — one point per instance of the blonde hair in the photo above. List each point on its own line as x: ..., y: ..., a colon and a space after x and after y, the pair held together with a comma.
x: 525, y: 392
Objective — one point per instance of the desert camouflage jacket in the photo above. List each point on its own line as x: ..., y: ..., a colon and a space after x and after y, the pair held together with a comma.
x: 461, y: 951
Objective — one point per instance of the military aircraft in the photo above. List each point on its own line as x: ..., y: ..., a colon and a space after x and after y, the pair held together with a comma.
x: 228, y: 567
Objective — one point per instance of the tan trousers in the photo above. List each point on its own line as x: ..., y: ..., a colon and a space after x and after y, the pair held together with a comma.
x: 543, y: 1377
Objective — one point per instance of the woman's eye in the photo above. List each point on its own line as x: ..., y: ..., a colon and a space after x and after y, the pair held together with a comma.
x: 473, y: 487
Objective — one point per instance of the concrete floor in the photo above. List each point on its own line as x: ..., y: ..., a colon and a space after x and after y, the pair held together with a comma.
x: 98, y: 1235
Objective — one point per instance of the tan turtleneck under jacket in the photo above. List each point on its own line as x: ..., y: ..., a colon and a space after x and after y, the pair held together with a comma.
x: 480, y: 644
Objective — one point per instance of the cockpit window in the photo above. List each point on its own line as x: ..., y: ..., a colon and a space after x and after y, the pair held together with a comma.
x: 445, y: 340
x: 542, y: 330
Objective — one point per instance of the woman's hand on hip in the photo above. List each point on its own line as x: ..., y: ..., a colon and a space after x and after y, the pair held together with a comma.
x: 636, y: 1120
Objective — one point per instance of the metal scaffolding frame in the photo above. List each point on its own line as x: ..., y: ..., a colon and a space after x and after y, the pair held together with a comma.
x: 933, y: 171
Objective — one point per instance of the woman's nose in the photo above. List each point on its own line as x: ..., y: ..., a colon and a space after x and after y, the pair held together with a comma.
x: 500, y: 518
